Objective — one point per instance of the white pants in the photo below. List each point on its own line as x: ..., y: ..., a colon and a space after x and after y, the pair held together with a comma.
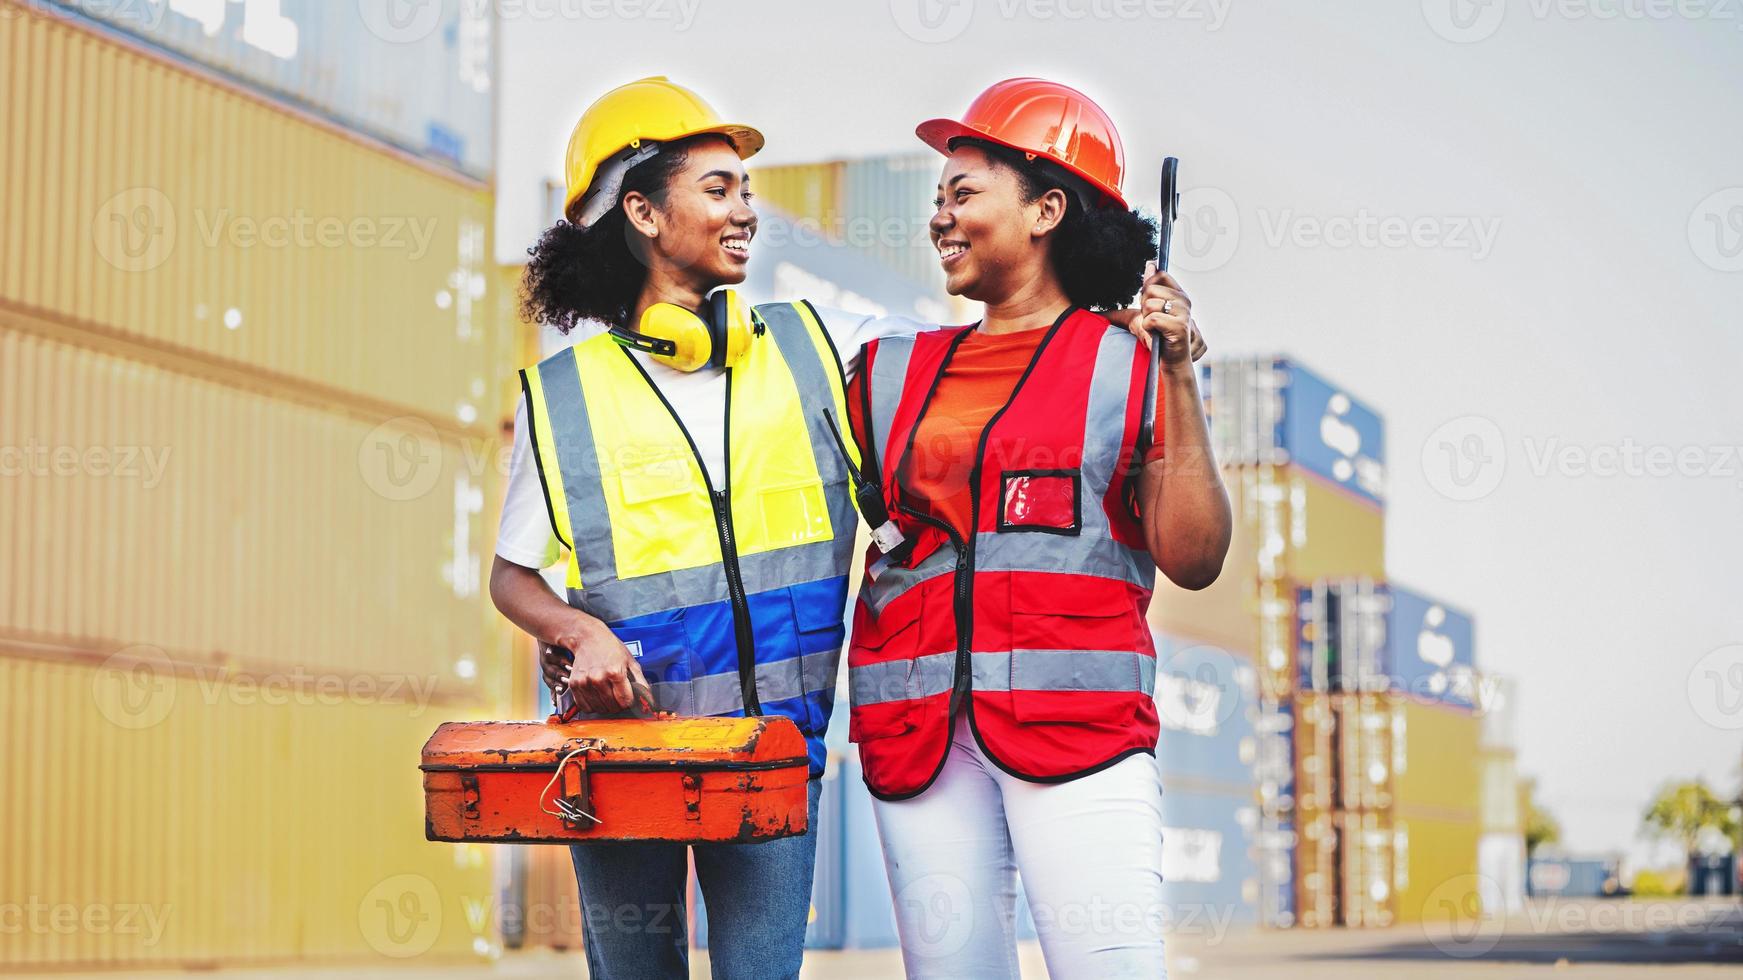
x: 1090, y: 855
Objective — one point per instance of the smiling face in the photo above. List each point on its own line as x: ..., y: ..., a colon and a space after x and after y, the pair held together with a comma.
x: 989, y: 239
x: 702, y: 228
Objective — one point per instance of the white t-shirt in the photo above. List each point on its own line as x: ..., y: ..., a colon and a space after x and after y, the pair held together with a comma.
x: 699, y: 399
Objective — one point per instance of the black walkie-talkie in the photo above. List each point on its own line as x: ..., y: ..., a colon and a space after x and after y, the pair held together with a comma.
x: 869, y: 494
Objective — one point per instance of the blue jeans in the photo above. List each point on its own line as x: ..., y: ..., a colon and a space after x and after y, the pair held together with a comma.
x: 758, y: 897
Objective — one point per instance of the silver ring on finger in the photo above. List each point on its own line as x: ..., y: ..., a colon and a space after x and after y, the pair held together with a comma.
x: 1167, y: 307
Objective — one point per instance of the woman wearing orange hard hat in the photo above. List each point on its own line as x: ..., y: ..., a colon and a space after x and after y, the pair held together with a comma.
x: 684, y: 453
x: 1001, y: 668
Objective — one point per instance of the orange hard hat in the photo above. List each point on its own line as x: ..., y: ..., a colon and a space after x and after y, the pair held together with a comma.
x: 1042, y: 119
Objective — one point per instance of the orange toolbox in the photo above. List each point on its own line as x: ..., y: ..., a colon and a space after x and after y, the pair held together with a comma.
x: 684, y: 780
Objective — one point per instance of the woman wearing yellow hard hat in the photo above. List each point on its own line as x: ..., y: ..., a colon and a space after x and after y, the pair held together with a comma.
x: 687, y: 458
x: 1001, y: 667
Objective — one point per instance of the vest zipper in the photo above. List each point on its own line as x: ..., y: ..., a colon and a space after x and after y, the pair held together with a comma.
x: 741, y: 627
x: 962, y: 609
x: 721, y: 502
x: 963, y: 680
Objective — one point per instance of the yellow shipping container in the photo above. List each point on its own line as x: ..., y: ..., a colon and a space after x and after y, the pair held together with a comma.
x: 1366, y: 727
x: 807, y: 192
x: 1435, y: 764
x: 168, y: 819
x: 1290, y: 526
x: 1366, y: 847
x: 150, y: 203
x: 236, y: 530
x: 1316, y: 869
x: 1315, y: 757
x: 1436, y: 870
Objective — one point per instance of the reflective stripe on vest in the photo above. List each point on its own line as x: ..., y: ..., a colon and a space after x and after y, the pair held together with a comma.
x: 622, y: 480
x: 1042, y: 670
x: 889, y: 369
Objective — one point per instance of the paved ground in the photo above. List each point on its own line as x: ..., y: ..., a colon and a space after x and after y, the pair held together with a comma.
x: 1585, y: 940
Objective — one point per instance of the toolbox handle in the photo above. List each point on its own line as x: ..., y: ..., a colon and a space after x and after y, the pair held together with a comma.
x: 641, y: 703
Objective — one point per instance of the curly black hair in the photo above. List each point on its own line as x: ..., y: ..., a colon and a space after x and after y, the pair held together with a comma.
x: 1098, y: 252
x: 592, y: 273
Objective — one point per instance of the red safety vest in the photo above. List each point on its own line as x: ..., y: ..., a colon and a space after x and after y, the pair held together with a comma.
x: 1032, y: 629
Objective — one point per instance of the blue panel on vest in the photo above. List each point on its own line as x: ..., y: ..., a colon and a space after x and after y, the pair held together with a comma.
x: 660, y: 643
x: 788, y: 622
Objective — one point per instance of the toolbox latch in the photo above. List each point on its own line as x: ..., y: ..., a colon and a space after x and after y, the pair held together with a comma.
x: 469, y: 795
x: 693, y: 796
x: 574, y: 791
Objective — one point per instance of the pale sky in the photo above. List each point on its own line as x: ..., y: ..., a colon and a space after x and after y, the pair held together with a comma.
x: 1548, y: 270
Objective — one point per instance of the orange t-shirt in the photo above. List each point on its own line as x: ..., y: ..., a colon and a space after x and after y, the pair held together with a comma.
x: 977, y: 382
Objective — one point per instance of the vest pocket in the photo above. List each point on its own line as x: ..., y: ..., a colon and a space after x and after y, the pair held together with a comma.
x: 794, y: 513
x: 1074, y: 650
x: 661, y: 649
x: 655, y: 477
x: 882, y: 684
x: 1049, y: 501
x: 817, y: 617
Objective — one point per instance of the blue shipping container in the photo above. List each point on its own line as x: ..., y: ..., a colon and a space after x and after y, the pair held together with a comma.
x: 1206, y: 700
x: 1275, y: 850
x: 1272, y: 410
x: 1274, y: 764
x: 1360, y: 636
x: 1210, y: 860
x: 1571, y: 877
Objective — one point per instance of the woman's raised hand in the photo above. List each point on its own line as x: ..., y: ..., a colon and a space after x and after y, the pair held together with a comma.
x: 1163, y: 310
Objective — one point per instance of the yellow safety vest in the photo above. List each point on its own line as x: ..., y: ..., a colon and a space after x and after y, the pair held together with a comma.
x: 729, y: 592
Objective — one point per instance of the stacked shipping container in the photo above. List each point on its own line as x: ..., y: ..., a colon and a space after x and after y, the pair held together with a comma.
x: 1207, y: 702
x: 250, y: 384
x: 1366, y: 762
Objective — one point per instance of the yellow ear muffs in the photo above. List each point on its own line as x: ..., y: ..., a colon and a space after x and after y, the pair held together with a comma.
x: 685, y: 341
x: 733, y: 326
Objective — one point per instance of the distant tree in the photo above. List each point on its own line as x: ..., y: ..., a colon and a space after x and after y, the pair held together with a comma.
x: 1683, y: 810
x: 1541, y: 827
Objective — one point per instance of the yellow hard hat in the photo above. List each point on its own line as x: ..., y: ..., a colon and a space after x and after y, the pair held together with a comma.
x: 651, y: 109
